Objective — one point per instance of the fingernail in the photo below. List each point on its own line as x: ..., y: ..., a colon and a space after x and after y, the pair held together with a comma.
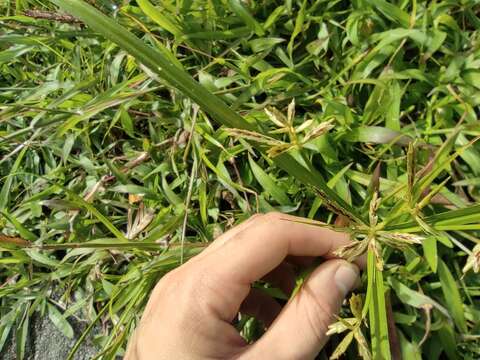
x: 346, y: 277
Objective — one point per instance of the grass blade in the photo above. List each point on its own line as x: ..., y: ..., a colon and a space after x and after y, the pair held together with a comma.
x: 378, y: 314
x: 452, y: 296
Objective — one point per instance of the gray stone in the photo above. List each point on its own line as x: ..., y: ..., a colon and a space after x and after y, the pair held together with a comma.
x: 46, y: 342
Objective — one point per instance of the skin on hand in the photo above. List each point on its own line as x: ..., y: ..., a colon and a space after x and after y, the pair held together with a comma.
x: 190, y: 312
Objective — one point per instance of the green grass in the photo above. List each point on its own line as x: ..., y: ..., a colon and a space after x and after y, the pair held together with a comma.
x: 131, y: 139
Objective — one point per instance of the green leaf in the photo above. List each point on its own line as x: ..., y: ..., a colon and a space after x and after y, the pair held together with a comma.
x: 240, y: 10
x: 160, y: 17
x: 299, y: 21
x: 268, y: 184
x: 314, y: 178
x: 170, y: 194
x: 22, y: 230
x: 6, y: 188
x: 21, y: 334
x: 127, y: 123
x: 41, y: 258
x: 429, y: 245
x: 273, y: 17
x: 453, y: 300
x: 102, y: 218
x: 378, y: 315
x: 448, y: 341
x: 14, y: 52
x: 470, y: 155
x: 339, y: 176
x: 377, y: 135
x: 119, y: 175
x: 264, y: 44
x: 59, y: 321
x: 391, y: 11
x: 440, y: 163
x: 415, y: 298
x: 5, y: 330
x: 370, y: 282
x: 410, y: 350
x: 445, y: 220
x: 135, y: 189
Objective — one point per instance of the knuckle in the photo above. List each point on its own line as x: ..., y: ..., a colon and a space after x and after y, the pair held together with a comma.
x: 273, y: 216
x: 193, y: 290
x: 184, y: 288
x: 187, y: 279
x: 177, y: 282
x: 203, y: 292
x: 256, y: 219
x: 169, y: 278
x: 194, y: 281
x: 256, y: 216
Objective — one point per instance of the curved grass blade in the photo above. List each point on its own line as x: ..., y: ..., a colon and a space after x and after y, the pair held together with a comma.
x: 87, y: 206
x: 452, y: 296
x: 459, y: 217
x: 157, y: 16
x: 238, y: 8
x: 268, y: 183
x: 5, y: 192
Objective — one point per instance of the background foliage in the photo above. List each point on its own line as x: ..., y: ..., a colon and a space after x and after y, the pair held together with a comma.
x: 116, y: 166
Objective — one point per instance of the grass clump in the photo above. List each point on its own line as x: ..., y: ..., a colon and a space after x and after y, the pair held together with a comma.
x: 132, y: 133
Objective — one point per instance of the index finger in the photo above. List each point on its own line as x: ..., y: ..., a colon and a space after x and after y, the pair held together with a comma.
x: 264, y: 244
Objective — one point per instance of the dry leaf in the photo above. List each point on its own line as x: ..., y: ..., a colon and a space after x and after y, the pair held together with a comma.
x: 343, y: 346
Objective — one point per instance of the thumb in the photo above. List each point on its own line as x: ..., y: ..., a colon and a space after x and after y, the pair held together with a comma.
x: 299, y: 332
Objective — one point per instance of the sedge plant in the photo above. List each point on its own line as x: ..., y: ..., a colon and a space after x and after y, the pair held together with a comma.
x: 132, y: 134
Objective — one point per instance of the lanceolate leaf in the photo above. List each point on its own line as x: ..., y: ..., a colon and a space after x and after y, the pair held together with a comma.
x: 159, y: 17
x: 415, y: 298
x: 5, y: 192
x: 22, y: 230
x: 378, y: 135
x: 430, y: 252
x: 468, y: 215
x: 102, y: 218
x: 391, y: 11
x: 243, y: 13
x: 59, y: 321
x: 342, y: 347
x: 268, y: 183
x: 452, y: 296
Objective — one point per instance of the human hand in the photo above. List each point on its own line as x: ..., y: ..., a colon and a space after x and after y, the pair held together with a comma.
x: 190, y: 312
